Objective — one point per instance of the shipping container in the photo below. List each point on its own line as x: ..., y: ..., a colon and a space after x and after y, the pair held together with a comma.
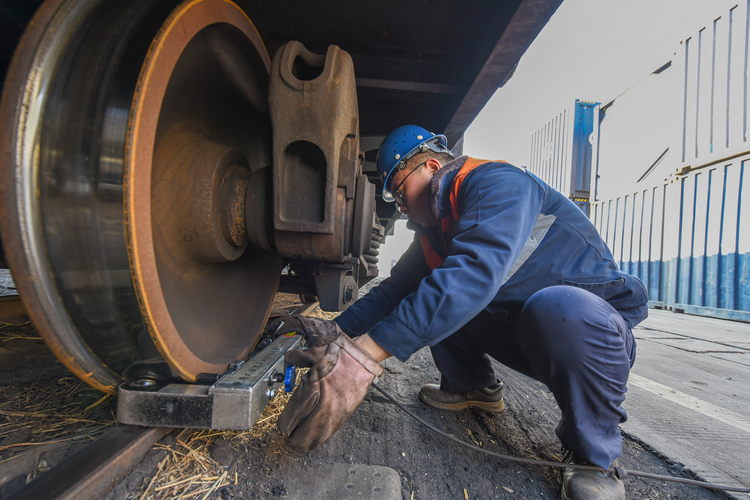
x: 713, y: 64
x: 683, y: 238
x: 635, y: 135
x: 670, y: 187
x: 561, y: 152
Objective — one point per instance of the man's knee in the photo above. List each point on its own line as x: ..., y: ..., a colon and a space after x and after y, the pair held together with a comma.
x: 553, y: 309
x: 564, y: 320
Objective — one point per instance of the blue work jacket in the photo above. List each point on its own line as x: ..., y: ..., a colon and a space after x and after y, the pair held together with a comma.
x: 515, y: 235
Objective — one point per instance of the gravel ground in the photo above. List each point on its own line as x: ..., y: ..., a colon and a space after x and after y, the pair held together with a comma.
x: 46, y: 413
x: 430, y: 467
x: 378, y: 433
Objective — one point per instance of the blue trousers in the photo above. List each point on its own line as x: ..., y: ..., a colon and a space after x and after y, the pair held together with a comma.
x: 567, y: 338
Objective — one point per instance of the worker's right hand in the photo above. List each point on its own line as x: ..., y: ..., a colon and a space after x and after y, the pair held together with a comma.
x: 317, y: 332
x: 340, y: 375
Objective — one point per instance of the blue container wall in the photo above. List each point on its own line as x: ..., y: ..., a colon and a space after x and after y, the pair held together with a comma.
x: 683, y: 239
x: 561, y: 152
x: 672, y: 172
x: 580, y: 175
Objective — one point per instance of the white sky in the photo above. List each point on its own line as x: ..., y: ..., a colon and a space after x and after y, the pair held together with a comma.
x: 591, y: 50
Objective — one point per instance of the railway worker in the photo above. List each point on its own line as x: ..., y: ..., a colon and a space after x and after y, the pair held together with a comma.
x: 501, y: 265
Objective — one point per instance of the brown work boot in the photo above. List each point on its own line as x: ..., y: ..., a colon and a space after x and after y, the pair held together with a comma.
x: 489, y: 398
x: 589, y: 484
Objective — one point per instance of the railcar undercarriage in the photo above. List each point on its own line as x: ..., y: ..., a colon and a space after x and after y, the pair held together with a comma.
x: 162, y: 177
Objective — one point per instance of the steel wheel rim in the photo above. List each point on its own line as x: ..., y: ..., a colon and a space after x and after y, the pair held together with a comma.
x: 87, y: 309
x: 24, y: 103
x: 169, y: 48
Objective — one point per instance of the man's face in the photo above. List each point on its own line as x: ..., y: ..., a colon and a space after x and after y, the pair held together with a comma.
x: 411, y: 186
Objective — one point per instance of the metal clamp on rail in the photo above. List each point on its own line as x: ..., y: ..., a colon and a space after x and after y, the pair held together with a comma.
x: 233, y: 402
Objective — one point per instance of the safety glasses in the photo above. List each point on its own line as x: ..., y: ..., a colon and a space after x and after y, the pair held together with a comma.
x: 397, y: 196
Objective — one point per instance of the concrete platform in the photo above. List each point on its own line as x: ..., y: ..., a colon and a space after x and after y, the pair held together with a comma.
x: 689, y: 394
x: 689, y: 399
x: 346, y: 482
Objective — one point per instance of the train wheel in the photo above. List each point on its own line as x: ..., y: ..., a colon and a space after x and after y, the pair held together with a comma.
x: 134, y: 135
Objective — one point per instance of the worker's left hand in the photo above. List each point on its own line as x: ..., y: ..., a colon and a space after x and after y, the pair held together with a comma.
x: 340, y: 375
x: 317, y: 332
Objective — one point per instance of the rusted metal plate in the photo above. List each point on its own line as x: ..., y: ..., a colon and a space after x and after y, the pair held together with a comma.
x: 313, y: 102
x: 12, y: 310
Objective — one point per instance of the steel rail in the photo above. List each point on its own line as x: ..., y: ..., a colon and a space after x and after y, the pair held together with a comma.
x: 91, y: 471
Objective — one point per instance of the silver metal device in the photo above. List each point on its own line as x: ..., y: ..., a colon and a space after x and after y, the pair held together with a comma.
x: 233, y: 402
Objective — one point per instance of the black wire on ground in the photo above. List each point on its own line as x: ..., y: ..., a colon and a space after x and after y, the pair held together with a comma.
x: 618, y: 471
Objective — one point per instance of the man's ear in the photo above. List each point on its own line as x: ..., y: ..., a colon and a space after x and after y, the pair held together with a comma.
x: 432, y: 165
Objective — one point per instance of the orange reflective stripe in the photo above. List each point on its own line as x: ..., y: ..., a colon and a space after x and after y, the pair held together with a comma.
x: 431, y: 256
x: 469, y: 165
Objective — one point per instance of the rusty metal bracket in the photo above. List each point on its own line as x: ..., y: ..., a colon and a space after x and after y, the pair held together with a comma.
x: 323, y: 205
x: 313, y: 103
x: 364, y: 208
x: 337, y: 288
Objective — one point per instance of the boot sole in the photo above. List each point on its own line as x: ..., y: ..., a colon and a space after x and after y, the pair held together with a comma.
x: 494, y: 406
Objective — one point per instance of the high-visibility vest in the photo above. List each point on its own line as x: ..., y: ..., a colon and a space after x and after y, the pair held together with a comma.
x: 446, y: 223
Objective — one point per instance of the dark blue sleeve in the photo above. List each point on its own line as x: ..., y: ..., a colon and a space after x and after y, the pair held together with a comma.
x: 498, y: 206
x: 405, y: 276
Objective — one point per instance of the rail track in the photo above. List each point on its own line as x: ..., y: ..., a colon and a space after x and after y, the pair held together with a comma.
x: 91, y: 471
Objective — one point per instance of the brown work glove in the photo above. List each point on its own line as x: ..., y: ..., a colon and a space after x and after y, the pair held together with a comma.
x: 317, y: 332
x: 339, y: 377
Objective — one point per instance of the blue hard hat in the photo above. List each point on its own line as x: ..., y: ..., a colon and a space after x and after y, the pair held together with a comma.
x: 400, y: 145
